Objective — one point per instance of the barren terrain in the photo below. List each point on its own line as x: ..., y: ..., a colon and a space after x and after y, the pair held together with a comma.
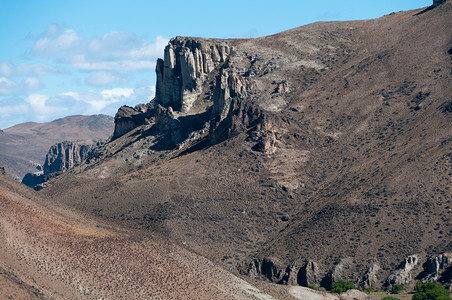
x: 328, y: 145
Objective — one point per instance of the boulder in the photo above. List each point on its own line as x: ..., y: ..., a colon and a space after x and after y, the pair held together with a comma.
x: 353, y: 295
x: 300, y: 292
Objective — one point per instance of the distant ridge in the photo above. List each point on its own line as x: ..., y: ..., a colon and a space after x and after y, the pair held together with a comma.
x: 24, y: 146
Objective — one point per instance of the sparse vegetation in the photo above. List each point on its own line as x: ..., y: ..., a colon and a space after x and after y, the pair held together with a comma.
x: 342, y: 286
x: 313, y: 287
x: 430, y: 291
x: 390, y: 298
x: 368, y: 290
x: 397, y: 288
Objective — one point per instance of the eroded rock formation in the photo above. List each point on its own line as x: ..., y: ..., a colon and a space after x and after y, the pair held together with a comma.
x: 438, y: 268
x: 186, y: 64
x: 128, y: 118
x: 309, y: 274
x: 370, y: 278
x: 435, y: 269
x: 403, y: 274
x: 64, y: 156
x: 61, y: 157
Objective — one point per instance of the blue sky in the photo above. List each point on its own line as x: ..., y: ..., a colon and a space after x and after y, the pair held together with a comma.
x: 60, y: 58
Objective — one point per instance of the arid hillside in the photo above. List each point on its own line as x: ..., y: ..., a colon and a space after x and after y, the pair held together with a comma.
x: 59, y: 254
x: 318, y: 154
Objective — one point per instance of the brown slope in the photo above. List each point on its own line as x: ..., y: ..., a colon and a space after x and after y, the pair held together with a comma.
x: 59, y: 254
x: 363, y: 139
x: 24, y: 146
x: 384, y: 108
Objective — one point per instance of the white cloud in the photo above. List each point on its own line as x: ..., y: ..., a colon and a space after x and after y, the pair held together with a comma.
x: 119, y: 51
x: 73, y: 95
x: 121, y: 65
x: 32, y: 83
x: 8, y: 69
x: 117, y: 93
x: 8, y: 110
x: 38, y: 102
x: 51, y: 45
x: 43, y: 108
x: 103, y: 78
x: 8, y: 86
x: 12, y: 111
x: 106, y: 101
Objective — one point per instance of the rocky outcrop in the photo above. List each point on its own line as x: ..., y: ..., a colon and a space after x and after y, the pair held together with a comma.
x: 229, y: 86
x: 64, y: 156
x: 266, y: 142
x: 309, y: 274
x: 435, y: 269
x: 240, y: 116
x: 370, y: 279
x: 342, y: 270
x: 403, y: 275
x: 167, y: 122
x: 128, y: 118
x: 281, y: 88
x: 2, y: 171
x: 186, y: 65
x: 290, y: 275
x: 233, y: 112
x: 61, y: 157
x: 268, y: 268
x: 438, y: 268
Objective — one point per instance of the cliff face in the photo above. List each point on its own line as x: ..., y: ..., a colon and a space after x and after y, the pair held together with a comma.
x: 64, y: 156
x: 186, y: 65
x: 208, y: 79
x: 61, y: 157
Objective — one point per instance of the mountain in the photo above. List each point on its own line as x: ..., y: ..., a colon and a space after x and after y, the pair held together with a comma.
x: 318, y: 154
x: 328, y: 144
x: 24, y: 146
